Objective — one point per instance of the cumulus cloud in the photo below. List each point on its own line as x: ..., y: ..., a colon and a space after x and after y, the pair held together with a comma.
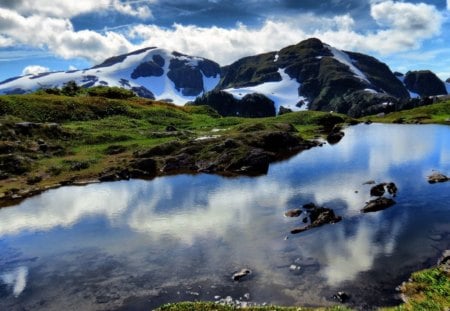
x: 34, y: 70
x: 401, y: 27
x: 67, y: 9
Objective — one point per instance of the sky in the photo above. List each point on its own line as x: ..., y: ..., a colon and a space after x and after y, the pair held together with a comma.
x: 50, y: 35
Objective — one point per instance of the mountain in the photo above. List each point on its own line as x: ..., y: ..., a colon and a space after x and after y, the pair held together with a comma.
x: 309, y: 75
x: 313, y: 75
x: 152, y: 73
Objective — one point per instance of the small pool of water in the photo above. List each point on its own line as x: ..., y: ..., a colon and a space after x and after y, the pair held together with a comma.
x: 133, y: 245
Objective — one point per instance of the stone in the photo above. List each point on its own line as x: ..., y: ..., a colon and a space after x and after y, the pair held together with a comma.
x: 444, y: 261
x: 378, y: 190
x: 378, y: 204
x: 241, y: 274
x: 342, y: 297
x: 293, y: 213
x: 437, y: 177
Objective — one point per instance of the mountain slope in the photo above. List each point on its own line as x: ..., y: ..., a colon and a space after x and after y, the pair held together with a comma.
x: 313, y: 75
x: 152, y: 73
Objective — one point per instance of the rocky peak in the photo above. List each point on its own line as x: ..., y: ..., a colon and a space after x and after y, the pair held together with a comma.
x: 425, y: 83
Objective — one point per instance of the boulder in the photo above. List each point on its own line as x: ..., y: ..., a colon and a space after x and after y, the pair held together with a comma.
x: 256, y: 162
x: 437, y: 177
x: 444, y: 262
x: 378, y: 204
x: 318, y: 216
x: 378, y: 190
x: 237, y: 276
x: 146, y: 165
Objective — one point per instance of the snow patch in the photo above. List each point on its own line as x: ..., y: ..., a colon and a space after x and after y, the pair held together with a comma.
x: 119, y: 75
x: 276, y: 58
x: 411, y: 94
x: 283, y: 93
x: 447, y: 86
x: 343, y: 58
x: 372, y: 91
x: 207, y: 137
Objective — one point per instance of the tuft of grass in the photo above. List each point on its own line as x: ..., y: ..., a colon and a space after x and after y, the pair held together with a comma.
x: 427, y: 290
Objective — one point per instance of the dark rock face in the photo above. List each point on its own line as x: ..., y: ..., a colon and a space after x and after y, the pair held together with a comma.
x: 145, y: 165
x: 424, y: 83
x: 189, y: 79
x: 378, y: 204
x: 148, y: 69
x: 250, y: 106
x: 159, y: 60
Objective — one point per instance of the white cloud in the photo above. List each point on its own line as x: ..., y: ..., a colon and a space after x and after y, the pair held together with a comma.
x: 34, y: 70
x: 401, y: 27
x: 66, y: 9
x: 448, y: 4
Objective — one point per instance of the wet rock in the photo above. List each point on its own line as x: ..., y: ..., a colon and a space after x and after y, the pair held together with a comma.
x: 335, y: 137
x: 294, y: 267
x: 392, y: 188
x: 378, y: 190
x: 342, y: 297
x: 241, y: 274
x: 378, y: 204
x: 309, y: 206
x: 293, y: 213
x: 437, y: 178
x: 146, y: 165
x: 179, y: 163
x: 319, y: 216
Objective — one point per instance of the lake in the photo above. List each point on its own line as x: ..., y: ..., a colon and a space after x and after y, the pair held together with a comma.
x: 133, y: 245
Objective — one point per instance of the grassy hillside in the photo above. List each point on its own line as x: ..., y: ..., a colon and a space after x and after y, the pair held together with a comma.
x: 73, y: 138
x: 438, y: 113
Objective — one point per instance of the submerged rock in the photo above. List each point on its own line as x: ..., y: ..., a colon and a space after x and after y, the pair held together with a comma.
x: 342, y: 297
x: 293, y: 213
x: 318, y: 216
x: 437, y: 177
x: 241, y: 274
x: 378, y: 204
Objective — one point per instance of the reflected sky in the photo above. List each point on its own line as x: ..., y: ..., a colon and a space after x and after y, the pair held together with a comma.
x: 227, y: 223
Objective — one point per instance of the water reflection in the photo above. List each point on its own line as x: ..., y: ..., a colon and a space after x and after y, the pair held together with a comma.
x: 232, y: 222
x: 16, y: 279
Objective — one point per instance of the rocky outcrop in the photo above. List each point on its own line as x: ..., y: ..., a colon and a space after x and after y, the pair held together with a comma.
x: 250, y: 106
x: 425, y: 83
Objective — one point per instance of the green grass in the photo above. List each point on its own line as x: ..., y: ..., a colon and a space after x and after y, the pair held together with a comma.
x: 438, y: 113
x: 429, y: 290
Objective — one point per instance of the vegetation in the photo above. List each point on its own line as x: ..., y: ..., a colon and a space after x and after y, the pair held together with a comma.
x: 428, y: 290
x: 48, y: 139
x: 209, y: 306
x: 438, y: 113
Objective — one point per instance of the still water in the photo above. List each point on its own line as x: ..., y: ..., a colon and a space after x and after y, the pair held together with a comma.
x: 133, y: 245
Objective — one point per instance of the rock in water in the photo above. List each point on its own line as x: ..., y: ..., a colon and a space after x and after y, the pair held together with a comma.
x: 293, y: 213
x: 342, y: 297
x: 437, y: 177
x: 377, y: 205
x: 241, y: 274
x: 378, y: 190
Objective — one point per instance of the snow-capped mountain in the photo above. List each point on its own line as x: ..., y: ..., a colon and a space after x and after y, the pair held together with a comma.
x: 153, y: 73
x: 309, y: 75
x: 314, y: 75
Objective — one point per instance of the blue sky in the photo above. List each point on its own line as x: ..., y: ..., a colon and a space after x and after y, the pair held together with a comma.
x: 42, y: 35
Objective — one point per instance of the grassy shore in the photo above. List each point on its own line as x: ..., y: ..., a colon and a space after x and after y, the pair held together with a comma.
x: 76, y: 138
